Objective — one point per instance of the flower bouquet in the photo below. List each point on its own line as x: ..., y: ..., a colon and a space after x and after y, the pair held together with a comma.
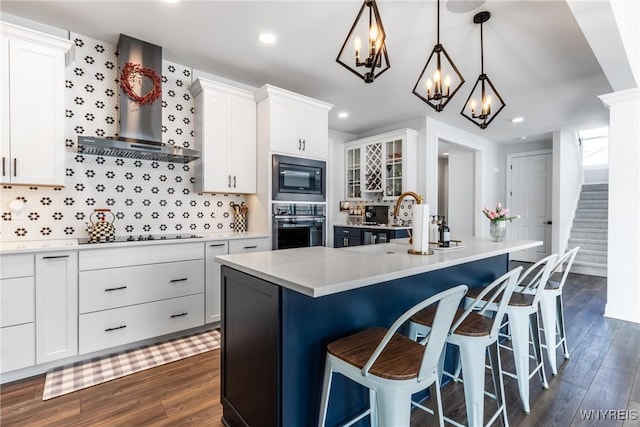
x: 499, y: 218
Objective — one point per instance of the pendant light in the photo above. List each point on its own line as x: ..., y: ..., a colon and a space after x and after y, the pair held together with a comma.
x: 370, y: 63
x: 440, y: 78
x: 484, y: 102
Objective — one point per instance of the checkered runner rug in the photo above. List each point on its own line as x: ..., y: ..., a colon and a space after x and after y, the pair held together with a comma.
x: 68, y: 378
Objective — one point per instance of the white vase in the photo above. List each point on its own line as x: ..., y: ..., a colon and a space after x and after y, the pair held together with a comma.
x: 498, y: 230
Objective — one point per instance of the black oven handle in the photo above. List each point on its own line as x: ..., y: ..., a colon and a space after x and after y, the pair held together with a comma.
x: 300, y: 218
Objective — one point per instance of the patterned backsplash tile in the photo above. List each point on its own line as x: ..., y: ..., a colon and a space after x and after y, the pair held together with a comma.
x: 146, y: 197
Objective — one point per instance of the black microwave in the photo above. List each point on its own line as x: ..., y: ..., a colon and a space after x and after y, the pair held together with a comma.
x: 297, y: 179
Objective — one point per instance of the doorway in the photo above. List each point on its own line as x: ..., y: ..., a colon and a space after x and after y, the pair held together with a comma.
x: 457, y: 187
x: 529, y: 191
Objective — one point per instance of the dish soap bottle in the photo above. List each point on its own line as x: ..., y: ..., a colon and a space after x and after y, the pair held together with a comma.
x: 445, y: 235
x: 433, y: 229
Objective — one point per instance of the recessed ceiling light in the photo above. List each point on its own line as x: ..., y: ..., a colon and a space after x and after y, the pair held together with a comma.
x: 446, y: 153
x: 172, y: 1
x: 343, y: 114
x: 523, y: 138
x: 517, y: 120
x: 267, y: 38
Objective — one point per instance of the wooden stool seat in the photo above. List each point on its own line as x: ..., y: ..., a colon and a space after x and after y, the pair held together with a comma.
x: 517, y: 299
x: 475, y: 325
x: 400, y: 360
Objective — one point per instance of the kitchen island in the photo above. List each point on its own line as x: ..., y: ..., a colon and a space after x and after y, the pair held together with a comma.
x: 281, y: 308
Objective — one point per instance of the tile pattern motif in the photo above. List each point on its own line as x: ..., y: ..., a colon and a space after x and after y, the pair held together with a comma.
x: 146, y: 197
x: 68, y: 378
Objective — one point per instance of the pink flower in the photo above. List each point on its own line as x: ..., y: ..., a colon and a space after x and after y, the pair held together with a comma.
x: 492, y: 215
x: 499, y: 206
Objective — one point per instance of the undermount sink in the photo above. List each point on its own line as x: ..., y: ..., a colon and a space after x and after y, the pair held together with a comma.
x: 382, y: 248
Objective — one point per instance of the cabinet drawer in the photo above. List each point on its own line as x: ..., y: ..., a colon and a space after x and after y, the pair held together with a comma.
x: 138, y: 255
x: 249, y: 245
x: 16, y: 301
x: 110, y: 328
x: 119, y: 287
x: 17, y: 347
x: 347, y: 232
x: 16, y: 266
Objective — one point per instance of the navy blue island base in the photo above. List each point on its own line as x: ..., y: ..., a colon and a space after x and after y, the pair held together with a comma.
x: 274, y: 341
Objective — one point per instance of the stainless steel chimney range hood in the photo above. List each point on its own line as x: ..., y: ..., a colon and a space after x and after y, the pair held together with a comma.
x: 140, y: 135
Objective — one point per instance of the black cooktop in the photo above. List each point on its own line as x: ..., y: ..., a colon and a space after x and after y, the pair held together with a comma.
x: 142, y: 238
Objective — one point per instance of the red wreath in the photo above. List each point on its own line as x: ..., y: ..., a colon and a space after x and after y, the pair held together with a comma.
x: 129, y: 72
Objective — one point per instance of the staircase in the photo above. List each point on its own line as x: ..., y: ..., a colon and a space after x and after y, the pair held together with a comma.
x: 589, y: 230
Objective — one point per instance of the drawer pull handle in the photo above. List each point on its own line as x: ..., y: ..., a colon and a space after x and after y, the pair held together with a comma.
x: 115, y: 289
x: 173, y: 316
x: 346, y: 231
x: 178, y: 280
x: 15, y: 166
x: 55, y: 256
x: 250, y: 247
x: 217, y: 246
x: 116, y: 328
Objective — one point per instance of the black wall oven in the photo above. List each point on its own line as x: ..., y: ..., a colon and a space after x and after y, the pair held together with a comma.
x: 296, y: 179
x: 298, y: 225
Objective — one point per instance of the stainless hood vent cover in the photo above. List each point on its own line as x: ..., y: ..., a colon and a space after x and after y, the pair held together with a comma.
x: 140, y: 126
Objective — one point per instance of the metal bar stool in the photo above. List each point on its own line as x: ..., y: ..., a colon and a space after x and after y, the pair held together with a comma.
x: 553, y: 312
x: 392, y: 366
x: 522, y: 314
x: 474, y: 332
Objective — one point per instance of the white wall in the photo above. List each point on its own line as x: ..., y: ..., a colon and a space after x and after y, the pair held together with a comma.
x: 490, y: 174
x: 443, y: 187
x: 335, y: 181
x: 567, y: 182
x: 623, y: 283
x: 596, y: 176
x: 462, y: 203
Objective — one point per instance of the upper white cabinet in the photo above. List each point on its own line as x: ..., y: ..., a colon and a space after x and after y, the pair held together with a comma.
x: 292, y: 124
x: 381, y: 165
x: 32, y: 116
x: 226, y: 136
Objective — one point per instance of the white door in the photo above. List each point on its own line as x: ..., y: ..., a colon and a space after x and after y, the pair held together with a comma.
x: 530, y: 197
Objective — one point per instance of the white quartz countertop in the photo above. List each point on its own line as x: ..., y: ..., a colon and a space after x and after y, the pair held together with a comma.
x: 72, y: 244
x: 320, y: 271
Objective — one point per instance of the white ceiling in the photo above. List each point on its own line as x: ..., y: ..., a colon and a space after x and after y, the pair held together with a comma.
x: 535, y: 54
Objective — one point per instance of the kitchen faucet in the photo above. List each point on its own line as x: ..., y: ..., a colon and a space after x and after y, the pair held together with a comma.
x: 416, y: 196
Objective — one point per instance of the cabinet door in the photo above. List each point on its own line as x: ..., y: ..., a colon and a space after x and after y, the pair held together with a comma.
x: 17, y: 347
x: 284, y: 117
x: 213, y: 124
x: 212, y: 280
x: 36, y: 102
x: 314, y: 131
x: 243, y: 145
x: 56, y: 305
x: 353, y: 161
x: 373, y: 167
x: 5, y: 140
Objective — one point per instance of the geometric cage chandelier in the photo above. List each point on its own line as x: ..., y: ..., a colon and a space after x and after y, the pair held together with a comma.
x: 484, y: 102
x: 440, y: 78
x: 371, y: 58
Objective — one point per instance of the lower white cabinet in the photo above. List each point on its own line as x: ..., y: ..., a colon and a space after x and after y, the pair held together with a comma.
x: 56, y: 305
x: 130, y: 294
x: 212, y: 269
x: 17, y: 303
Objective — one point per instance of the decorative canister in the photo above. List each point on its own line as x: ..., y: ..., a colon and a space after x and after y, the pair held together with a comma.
x: 101, y: 230
x: 240, y: 223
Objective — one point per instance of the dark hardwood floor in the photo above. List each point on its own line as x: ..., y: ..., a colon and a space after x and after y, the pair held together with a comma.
x: 602, y: 374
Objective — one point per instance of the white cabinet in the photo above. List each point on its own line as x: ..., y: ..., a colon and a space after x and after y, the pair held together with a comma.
x: 32, y: 116
x: 212, y: 269
x: 56, y: 305
x: 212, y: 277
x: 292, y: 124
x: 382, y: 165
x: 17, y: 336
x: 132, y: 293
x: 226, y: 136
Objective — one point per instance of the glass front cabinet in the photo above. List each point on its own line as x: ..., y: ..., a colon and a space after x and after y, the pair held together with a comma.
x: 381, y: 166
